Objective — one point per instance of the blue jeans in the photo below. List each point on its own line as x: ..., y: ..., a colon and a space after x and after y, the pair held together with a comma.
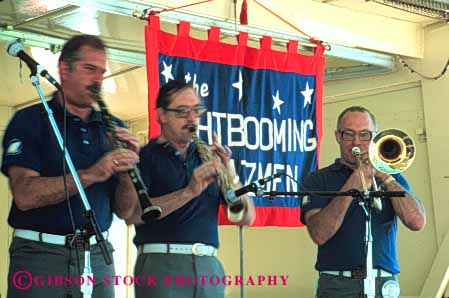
x: 39, y: 269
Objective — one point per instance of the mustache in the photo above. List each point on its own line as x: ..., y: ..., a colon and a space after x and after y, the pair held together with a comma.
x: 94, y: 88
x: 190, y: 127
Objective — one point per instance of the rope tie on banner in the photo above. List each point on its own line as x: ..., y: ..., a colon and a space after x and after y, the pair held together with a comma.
x: 312, y: 39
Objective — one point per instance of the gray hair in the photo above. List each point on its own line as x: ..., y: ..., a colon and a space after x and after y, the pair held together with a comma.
x: 356, y: 109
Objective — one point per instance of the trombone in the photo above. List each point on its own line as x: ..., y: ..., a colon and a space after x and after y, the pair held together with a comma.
x: 392, y: 151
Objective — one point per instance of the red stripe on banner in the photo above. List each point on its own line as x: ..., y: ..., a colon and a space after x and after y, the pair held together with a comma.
x: 218, y: 52
x: 152, y: 49
x: 268, y: 216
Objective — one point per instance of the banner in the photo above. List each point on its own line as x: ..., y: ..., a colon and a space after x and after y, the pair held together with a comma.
x: 264, y: 104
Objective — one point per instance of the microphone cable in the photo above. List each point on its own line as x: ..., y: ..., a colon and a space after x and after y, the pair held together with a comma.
x: 66, y: 192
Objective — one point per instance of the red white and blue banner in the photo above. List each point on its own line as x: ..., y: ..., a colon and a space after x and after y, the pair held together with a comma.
x: 264, y: 104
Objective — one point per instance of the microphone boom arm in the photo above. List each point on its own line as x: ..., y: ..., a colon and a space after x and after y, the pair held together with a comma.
x: 351, y: 192
x: 232, y: 196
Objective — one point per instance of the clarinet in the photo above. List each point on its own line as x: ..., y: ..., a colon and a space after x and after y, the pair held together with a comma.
x: 149, y: 211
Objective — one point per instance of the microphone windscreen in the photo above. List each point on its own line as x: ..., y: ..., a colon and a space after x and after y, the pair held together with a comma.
x: 356, y: 151
x: 14, y: 48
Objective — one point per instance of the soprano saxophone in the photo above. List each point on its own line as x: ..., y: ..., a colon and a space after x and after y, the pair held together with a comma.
x: 235, y: 210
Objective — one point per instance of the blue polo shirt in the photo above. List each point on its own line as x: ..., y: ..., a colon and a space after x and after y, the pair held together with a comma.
x: 30, y: 142
x: 164, y: 171
x: 345, y: 250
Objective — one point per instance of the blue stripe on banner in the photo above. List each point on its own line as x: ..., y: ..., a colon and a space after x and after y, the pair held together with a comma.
x: 276, y: 201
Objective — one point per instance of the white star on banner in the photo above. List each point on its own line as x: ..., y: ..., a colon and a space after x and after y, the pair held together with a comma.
x: 239, y: 85
x: 187, y: 77
x: 307, y: 95
x: 167, y: 72
x: 277, y: 102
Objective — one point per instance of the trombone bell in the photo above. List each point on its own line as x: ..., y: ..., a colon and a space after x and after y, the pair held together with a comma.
x: 391, y: 151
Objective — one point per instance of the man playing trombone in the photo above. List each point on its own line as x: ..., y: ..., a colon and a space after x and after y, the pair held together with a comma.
x: 337, y: 224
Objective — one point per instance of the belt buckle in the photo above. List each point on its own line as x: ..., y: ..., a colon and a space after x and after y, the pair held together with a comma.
x: 194, y: 247
x: 358, y: 274
x: 74, y: 240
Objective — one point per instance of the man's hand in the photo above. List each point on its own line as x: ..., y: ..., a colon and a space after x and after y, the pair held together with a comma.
x: 356, y: 181
x: 132, y: 142
x: 118, y: 160
x: 364, y: 166
x: 371, y: 171
x: 202, y: 177
x: 224, y: 152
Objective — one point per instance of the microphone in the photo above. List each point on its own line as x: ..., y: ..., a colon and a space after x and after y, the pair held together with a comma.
x: 15, y: 49
x: 232, y: 196
x: 356, y: 151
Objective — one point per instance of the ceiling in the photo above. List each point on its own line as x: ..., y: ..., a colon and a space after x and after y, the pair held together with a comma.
x: 376, y: 8
x: 45, y: 24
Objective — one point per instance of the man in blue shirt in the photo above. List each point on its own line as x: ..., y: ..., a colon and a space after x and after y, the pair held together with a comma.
x: 42, y: 218
x: 337, y: 225
x: 179, y: 249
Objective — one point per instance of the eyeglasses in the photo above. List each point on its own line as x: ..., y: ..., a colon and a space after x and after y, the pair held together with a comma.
x: 184, y: 112
x: 349, y: 135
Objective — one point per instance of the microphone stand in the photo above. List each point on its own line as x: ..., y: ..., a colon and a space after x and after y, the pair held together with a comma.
x: 92, y: 225
x: 369, y: 282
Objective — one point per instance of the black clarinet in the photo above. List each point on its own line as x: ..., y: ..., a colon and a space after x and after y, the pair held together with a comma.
x: 149, y: 211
